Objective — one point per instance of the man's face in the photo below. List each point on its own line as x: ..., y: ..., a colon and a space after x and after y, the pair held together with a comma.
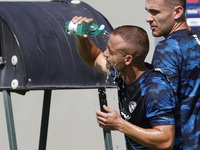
x: 114, y: 58
x: 160, y: 17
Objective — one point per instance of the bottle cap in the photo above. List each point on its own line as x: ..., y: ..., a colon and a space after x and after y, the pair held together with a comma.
x: 102, y: 27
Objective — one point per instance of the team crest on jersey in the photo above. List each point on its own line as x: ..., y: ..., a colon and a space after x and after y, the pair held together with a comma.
x: 132, y: 106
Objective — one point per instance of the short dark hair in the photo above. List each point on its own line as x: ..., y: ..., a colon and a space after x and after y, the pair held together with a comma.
x: 137, y: 39
x: 177, y: 2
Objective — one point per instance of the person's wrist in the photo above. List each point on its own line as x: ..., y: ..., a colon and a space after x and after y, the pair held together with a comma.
x: 121, y: 125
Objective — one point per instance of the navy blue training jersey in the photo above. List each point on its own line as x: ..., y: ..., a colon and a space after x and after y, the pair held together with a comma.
x: 178, y: 56
x: 149, y: 101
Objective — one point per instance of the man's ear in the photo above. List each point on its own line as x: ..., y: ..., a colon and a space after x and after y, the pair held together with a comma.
x: 128, y: 59
x: 178, y: 12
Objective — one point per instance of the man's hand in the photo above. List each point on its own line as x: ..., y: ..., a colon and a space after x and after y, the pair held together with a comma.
x: 80, y: 20
x: 110, y: 120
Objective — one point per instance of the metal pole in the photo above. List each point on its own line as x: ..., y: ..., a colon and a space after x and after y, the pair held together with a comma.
x: 45, y: 119
x: 9, y: 120
x: 107, y: 133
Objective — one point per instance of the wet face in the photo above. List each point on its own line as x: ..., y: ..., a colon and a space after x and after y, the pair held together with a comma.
x: 160, y: 17
x: 115, y: 59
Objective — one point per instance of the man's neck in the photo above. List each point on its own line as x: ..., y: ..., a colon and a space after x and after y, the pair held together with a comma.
x: 180, y: 26
x: 132, y: 74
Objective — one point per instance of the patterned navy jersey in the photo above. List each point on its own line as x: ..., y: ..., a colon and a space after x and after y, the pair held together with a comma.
x: 178, y: 56
x: 149, y: 101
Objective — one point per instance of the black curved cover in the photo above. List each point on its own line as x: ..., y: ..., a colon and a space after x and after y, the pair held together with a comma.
x: 33, y: 32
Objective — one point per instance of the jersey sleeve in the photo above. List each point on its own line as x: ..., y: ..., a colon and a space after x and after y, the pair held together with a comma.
x: 167, y: 57
x: 160, y: 102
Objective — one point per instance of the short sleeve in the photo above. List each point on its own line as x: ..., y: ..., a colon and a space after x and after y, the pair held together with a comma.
x: 160, y: 102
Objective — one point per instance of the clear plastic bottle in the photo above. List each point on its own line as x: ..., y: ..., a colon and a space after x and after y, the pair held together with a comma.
x: 91, y: 28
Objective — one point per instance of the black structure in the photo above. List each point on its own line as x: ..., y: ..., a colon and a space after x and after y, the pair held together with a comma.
x: 35, y: 50
x: 37, y: 54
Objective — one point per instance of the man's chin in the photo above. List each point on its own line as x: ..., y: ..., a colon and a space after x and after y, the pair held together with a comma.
x: 110, y: 68
x: 154, y: 34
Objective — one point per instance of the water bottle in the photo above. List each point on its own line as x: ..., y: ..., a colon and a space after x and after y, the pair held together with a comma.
x: 90, y: 28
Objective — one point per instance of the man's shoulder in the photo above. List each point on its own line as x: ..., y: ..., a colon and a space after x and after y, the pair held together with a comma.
x: 154, y: 73
x: 154, y: 78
